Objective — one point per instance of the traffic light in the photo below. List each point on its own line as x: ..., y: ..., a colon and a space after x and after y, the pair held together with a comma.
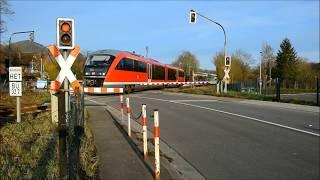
x: 193, y: 17
x: 227, y: 61
x: 31, y: 35
x: 65, y: 33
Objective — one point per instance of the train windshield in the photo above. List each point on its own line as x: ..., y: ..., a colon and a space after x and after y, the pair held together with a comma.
x: 103, y: 59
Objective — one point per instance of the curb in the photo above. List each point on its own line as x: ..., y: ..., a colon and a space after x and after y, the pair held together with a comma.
x: 180, y: 168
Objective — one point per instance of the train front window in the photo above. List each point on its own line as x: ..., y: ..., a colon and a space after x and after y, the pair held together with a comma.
x: 100, y: 60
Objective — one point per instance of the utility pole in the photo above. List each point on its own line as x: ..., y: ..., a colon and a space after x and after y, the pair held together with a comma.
x: 260, y: 80
x: 41, y: 68
x: 22, y: 32
x: 10, y: 64
x: 147, y: 51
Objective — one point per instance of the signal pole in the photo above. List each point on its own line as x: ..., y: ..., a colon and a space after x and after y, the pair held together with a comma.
x: 260, y: 80
x: 66, y: 85
x: 225, y: 38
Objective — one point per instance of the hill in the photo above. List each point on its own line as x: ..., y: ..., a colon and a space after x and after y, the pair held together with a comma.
x: 28, y: 46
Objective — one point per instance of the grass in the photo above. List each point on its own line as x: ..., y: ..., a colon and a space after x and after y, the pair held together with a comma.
x: 88, y: 153
x: 211, y: 90
x: 28, y: 149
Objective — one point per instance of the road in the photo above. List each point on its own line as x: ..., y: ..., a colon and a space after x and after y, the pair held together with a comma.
x: 227, y: 138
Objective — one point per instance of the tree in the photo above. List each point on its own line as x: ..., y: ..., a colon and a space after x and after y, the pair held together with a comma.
x: 239, y: 65
x: 52, y: 68
x: 286, y: 62
x: 4, y: 10
x: 188, y: 62
x: 218, y: 61
x: 305, y: 74
x: 267, y: 58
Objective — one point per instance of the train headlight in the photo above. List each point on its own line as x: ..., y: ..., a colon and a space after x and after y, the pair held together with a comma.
x: 87, y: 73
x: 103, y: 73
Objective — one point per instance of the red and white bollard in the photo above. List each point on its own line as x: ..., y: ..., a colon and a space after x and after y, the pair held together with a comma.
x: 156, y: 144
x: 144, y: 131
x: 121, y: 107
x: 128, y: 114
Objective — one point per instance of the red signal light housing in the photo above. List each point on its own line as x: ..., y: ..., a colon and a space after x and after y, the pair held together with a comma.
x: 65, y: 33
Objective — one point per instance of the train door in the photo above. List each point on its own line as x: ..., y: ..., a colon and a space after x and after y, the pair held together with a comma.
x: 149, y: 73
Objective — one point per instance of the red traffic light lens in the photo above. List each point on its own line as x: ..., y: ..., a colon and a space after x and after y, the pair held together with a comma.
x: 65, y: 38
x: 65, y: 27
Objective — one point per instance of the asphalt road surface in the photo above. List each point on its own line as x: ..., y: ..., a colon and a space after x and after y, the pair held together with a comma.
x: 231, y: 138
x: 311, y: 97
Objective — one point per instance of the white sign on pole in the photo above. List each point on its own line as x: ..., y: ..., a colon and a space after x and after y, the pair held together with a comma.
x: 15, y: 74
x: 15, y: 88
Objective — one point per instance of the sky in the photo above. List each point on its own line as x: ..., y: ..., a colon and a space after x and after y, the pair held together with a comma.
x: 164, y: 26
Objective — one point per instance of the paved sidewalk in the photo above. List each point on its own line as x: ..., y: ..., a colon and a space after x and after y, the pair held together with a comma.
x: 117, y: 159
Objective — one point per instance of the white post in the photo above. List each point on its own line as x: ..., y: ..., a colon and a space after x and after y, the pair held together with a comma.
x: 192, y: 79
x: 18, y: 110
x: 156, y: 144
x: 225, y: 86
x: 218, y: 85
x: 144, y: 131
x: 54, y: 108
x: 128, y: 114
x: 121, y: 107
x: 260, y: 82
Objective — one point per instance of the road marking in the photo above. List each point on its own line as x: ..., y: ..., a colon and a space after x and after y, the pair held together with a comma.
x: 233, y: 114
x: 96, y: 102
x: 299, y: 94
x: 194, y: 100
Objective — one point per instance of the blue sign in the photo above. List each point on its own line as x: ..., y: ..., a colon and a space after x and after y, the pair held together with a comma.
x: 41, y: 84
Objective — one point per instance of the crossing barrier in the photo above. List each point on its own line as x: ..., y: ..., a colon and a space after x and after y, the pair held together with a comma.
x: 144, y: 131
x: 156, y: 144
x: 121, y: 108
x: 174, y: 83
x: 102, y: 90
x: 128, y: 114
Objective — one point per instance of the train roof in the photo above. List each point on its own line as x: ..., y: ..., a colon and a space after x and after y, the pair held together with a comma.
x: 114, y: 52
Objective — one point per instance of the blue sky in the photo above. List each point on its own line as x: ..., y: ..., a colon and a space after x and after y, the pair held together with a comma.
x: 164, y: 26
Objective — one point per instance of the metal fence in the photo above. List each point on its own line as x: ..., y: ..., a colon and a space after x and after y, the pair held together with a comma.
x: 75, y: 121
x: 281, y: 90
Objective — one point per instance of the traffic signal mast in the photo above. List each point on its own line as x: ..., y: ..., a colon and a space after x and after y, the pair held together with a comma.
x: 193, y: 15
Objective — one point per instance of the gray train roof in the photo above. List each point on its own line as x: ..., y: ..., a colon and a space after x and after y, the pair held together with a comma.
x: 107, y: 51
x: 114, y: 52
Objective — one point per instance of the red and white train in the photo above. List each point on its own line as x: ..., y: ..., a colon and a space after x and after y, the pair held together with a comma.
x: 121, y: 69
